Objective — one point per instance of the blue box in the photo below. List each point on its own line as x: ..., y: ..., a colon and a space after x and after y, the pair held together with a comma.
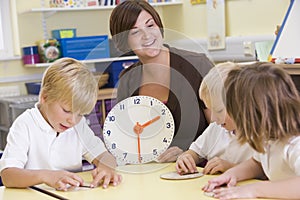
x: 85, y: 48
x: 33, y: 88
x: 114, y: 70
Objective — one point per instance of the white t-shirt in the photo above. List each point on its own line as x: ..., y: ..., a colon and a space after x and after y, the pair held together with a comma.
x: 281, y: 160
x: 217, y: 141
x: 33, y: 144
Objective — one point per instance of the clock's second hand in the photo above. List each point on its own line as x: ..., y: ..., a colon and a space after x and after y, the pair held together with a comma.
x: 138, y: 129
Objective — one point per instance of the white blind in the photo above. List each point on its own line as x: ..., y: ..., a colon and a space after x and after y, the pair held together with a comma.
x: 6, y: 43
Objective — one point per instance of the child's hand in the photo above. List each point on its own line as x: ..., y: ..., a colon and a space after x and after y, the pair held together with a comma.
x: 186, y: 164
x: 105, y: 175
x: 61, y: 180
x: 216, y: 165
x: 224, y: 179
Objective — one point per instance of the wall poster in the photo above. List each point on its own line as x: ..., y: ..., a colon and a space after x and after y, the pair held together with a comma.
x: 215, y: 24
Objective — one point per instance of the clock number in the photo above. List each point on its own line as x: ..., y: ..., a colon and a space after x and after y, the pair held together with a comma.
x: 108, y: 132
x: 124, y: 155
x: 168, y: 125
x: 154, y: 151
x: 113, y: 146
x: 163, y: 111
x: 122, y: 107
x: 151, y: 103
x: 165, y: 140
x: 111, y: 118
x: 137, y: 101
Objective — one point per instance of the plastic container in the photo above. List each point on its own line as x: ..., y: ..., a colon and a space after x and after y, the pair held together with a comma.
x: 114, y: 70
x: 85, y: 48
x: 30, y: 55
x: 33, y: 87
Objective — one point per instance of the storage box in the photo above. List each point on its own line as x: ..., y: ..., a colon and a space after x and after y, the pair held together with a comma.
x: 30, y: 55
x: 33, y: 88
x: 114, y: 70
x: 64, y: 33
x: 93, y: 118
x: 85, y: 48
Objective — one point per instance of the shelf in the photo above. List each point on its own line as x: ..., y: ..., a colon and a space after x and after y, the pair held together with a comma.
x: 96, y: 7
x: 88, y: 61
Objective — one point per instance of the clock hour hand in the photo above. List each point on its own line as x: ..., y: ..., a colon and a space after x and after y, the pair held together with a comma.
x: 138, y: 128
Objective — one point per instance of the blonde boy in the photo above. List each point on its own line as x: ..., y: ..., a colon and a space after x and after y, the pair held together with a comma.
x: 46, y: 143
x: 218, y: 144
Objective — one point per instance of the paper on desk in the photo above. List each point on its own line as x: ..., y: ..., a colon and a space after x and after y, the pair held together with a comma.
x: 70, y: 189
x: 263, y: 50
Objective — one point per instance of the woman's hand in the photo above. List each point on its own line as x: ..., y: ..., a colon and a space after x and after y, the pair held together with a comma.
x: 216, y: 165
x: 170, y: 155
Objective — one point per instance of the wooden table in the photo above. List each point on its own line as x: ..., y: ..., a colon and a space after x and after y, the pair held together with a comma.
x: 139, y: 182
x: 293, y: 69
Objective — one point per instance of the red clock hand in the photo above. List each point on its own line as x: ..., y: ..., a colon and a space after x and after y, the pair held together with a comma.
x: 138, y: 129
x: 150, y: 121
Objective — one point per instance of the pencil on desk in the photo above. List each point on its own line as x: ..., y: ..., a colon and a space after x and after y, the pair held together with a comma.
x: 48, y: 193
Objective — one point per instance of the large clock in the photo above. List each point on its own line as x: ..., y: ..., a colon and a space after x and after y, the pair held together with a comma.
x: 138, y: 129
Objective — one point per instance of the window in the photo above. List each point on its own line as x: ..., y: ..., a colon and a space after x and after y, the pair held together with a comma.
x: 6, y: 42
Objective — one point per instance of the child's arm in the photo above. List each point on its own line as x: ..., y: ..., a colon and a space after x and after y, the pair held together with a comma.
x: 187, y: 161
x: 246, y: 170
x: 283, y: 189
x: 105, y: 170
x: 22, y: 178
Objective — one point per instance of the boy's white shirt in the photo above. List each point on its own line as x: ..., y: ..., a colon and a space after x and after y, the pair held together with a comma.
x: 281, y: 160
x: 32, y: 144
x: 217, y: 141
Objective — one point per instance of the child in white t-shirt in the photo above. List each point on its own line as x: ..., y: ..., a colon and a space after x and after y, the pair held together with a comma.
x: 46, y: 144
x: 265, y: 105
x: 218, y: 144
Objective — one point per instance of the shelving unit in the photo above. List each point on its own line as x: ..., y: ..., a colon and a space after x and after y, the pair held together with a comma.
x: 102, y: 60
x: 47, y: 12
x: 96, y: 7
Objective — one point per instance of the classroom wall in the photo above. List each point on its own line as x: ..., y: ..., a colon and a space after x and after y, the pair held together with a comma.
x: 243, y: 17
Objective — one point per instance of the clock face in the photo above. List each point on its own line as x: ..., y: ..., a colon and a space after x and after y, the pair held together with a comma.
x: 138, y: 129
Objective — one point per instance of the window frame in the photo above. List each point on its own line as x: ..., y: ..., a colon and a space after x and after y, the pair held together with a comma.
x: 6, y: 35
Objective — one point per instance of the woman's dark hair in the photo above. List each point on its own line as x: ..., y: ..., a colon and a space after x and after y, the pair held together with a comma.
x: 124, y: 17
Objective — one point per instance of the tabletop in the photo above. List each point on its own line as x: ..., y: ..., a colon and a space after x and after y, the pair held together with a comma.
x: 139, y: 182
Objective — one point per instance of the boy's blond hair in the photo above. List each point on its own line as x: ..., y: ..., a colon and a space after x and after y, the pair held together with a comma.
x: 70, y: 81
x: 212, y: 86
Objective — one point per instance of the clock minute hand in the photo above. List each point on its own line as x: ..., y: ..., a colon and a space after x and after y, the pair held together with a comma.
x: 150, y: 121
